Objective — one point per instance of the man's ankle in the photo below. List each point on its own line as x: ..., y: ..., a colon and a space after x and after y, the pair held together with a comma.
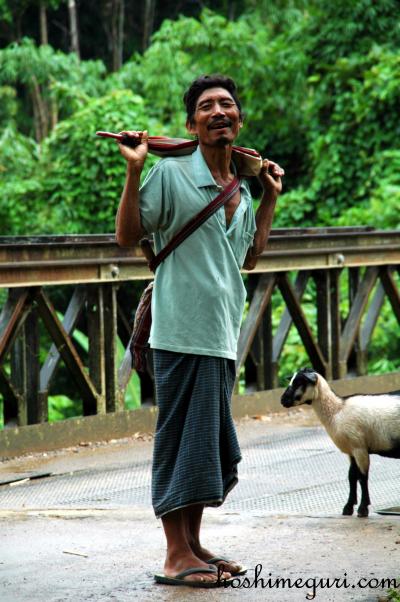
x: 195, y: 545
x: 176, y: 551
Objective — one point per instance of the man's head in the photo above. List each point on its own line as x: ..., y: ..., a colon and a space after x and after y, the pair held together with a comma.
x: 204, y: 82
x: 214, y: 112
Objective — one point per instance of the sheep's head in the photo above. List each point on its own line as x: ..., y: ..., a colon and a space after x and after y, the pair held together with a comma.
x: 300, y: 389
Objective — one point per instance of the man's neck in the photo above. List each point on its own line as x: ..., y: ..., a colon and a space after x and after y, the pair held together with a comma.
x: 218, y: 159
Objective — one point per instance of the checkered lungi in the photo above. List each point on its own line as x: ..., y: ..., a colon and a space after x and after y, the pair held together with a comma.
x: 196, y: 450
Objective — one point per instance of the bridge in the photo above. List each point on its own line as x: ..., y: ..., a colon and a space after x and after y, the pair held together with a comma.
x: 333, y: 283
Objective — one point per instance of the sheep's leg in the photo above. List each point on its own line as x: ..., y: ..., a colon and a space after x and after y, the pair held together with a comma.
x: 353, y: 478
x: 362, y: 460
x: 365, y: 500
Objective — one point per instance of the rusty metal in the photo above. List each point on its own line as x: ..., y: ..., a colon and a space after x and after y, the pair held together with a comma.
x: 100, y: 272
x: 300, y: 320
x: 28, y: 261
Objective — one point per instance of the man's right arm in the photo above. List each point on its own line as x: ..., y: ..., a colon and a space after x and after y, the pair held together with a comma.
x: 128, y: 227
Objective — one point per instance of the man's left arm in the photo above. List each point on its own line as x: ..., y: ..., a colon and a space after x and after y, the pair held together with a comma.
x: 270, y: 178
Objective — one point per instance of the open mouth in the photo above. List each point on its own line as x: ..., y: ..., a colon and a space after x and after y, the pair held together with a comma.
x: 221, y: 125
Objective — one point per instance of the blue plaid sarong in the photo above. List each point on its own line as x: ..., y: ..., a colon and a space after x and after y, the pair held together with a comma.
x: 196, y: 450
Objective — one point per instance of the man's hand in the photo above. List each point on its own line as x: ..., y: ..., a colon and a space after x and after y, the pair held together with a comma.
x: 129, y: 229
x: 270, y: 178
x: 135, y: 156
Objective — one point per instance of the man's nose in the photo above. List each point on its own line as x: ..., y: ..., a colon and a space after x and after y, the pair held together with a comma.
x: 218, y: 109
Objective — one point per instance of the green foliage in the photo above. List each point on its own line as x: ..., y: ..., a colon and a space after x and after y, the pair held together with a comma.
x: 271, y: 75
x: 382, y: 208
x: 341, y: 28
x: 20, y: 183
x: 296, y: 207
x: 394, y: 594
x: 383, y: 350
x: 362, y: 125
x: 8, y: 105
x: 326, y: 112
x: 62, y: 407
x: 82, y: 175
x: 18, y: 153
x: 55, y: 84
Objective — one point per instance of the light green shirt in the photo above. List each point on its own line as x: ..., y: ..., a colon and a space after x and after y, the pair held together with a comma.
x: 198, y: 296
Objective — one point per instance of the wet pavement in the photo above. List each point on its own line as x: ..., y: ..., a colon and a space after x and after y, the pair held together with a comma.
x: 87, y: 531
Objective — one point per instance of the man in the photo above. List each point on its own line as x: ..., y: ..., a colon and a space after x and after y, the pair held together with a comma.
x: 198, y: 303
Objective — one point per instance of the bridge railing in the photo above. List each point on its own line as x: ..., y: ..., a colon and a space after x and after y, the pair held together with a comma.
x: 53, y: 284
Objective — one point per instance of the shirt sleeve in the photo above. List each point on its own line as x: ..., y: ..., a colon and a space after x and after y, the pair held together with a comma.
x: 154, y: 203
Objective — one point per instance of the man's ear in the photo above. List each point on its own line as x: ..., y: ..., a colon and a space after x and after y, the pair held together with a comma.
x: 191, y: 128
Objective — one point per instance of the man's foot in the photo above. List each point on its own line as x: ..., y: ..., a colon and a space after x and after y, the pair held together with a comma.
x: 232, y: 567
x: 180, y: 579
x: 176, y: 565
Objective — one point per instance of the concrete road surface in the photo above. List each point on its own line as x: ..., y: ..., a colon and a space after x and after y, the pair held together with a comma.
x: 86, y: 531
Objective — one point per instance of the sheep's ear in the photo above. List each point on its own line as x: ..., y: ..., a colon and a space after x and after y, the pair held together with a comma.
x: 310, y: 375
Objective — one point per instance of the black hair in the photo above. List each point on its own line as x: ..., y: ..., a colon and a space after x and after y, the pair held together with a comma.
x: 204, y: 82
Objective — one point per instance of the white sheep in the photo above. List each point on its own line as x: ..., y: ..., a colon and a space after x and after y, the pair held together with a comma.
x: 358, y: 425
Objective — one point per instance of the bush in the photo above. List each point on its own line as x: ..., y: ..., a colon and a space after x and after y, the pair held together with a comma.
x: 82, y: 176
x: 21, y: 184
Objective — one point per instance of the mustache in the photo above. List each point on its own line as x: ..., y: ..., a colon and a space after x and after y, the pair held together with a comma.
x: 219, y: 122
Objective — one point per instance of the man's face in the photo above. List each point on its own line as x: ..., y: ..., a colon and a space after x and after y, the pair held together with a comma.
x: 216, y: 120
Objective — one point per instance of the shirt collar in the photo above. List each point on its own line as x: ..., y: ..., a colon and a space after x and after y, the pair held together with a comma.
x: 201, y: 172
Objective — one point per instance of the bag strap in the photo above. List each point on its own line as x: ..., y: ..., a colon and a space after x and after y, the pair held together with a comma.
x: 195, y: 222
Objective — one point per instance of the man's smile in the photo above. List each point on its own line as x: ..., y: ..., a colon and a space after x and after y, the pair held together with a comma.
x: 220, y: 124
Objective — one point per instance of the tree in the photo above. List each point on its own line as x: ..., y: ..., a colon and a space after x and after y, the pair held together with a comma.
x: 81, y: 174
x: 44, y: 37
x: 148, y: 22
x: 271, y: 74
x: 55, y: 84
x: 13, y: 12
x: 113, y: 22
x: 73, y: 20
x: 20, y: 183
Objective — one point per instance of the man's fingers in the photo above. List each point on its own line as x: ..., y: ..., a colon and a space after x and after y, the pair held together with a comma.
x: 141, y: 136
x: 265, y: 165
x: 275, y: 169
x: 134, y: 133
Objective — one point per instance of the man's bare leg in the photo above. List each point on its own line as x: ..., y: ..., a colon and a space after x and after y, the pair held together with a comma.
x: 193, y: 516
x: 180, y: 555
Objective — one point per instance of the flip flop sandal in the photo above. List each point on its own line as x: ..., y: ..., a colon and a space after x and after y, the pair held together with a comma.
x: 241, y: 571
x: 179, y: 578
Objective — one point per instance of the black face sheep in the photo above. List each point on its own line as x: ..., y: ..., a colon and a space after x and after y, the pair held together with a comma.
x: 359, y: 425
